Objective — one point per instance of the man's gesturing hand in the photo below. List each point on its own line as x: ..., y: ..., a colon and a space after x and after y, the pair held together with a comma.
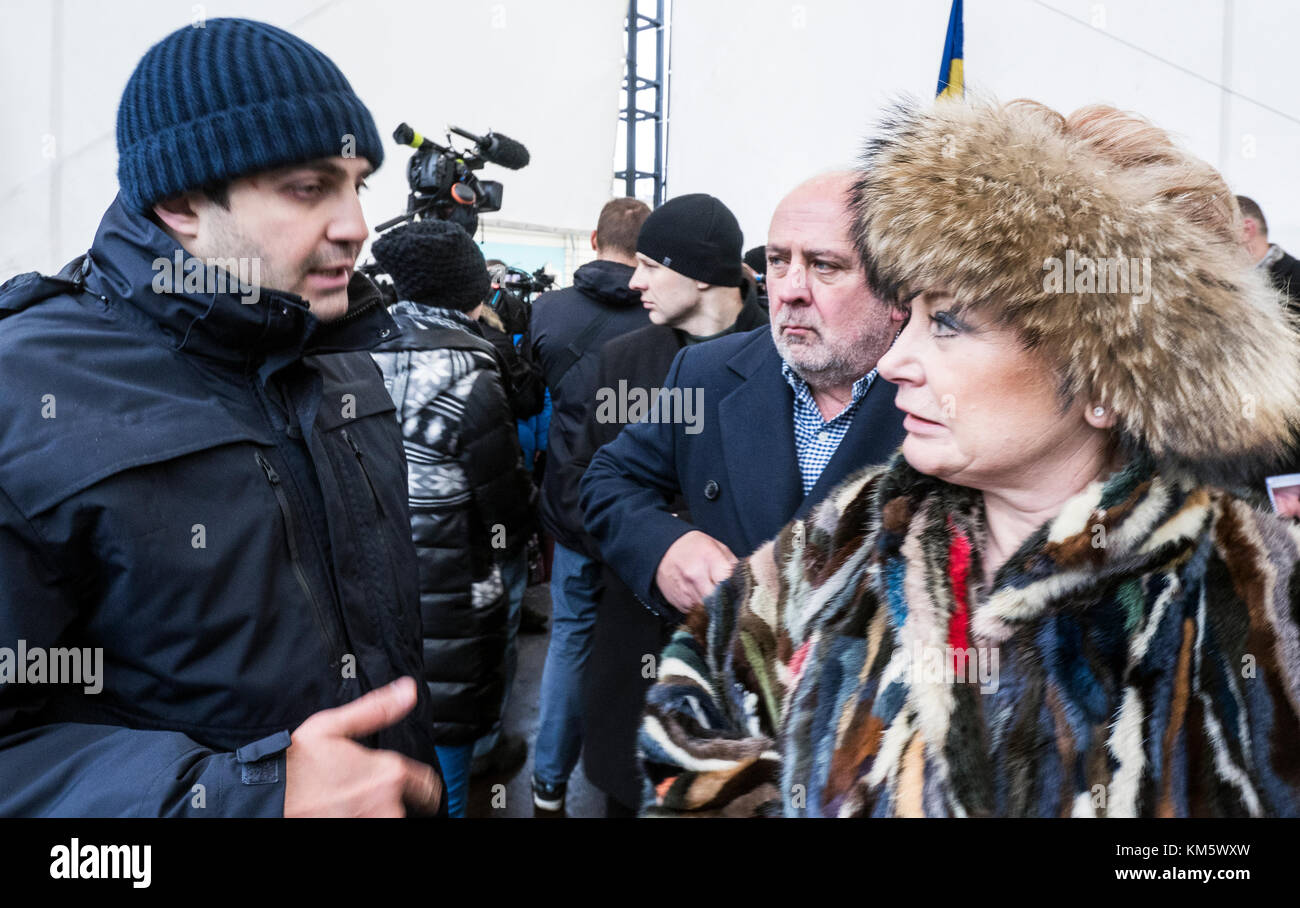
x: 691, y: 568
x: 327, y: 774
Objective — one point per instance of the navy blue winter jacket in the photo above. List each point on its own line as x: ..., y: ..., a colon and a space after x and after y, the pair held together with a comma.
x: 213, y: 494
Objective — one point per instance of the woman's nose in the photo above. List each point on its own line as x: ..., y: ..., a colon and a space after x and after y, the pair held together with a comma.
x: 898, y: 363
x: 887, y: 365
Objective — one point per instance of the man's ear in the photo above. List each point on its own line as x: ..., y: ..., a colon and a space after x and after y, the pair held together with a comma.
x: 179, y: 215
x: 593, y: 241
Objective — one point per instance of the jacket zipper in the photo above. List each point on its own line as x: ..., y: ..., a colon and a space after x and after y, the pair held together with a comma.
x: 349, y: 316
x: 361, y: 461
x: 274, y: 479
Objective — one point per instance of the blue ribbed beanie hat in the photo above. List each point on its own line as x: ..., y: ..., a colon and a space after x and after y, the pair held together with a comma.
x: 231, y: 98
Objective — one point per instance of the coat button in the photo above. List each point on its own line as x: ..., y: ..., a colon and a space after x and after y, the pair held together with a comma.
x: 710, y: 490
x: 384, y: 332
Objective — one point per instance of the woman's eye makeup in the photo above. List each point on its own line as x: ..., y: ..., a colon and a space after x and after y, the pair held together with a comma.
x: 948, y: 322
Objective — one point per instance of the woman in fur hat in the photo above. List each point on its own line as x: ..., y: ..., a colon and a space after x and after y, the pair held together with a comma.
x: 1055, y: 600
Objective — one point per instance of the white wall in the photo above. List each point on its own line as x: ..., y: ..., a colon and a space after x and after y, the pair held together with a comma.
x: 766, y: 97
x: 544, y: 72
x: 763, y: 94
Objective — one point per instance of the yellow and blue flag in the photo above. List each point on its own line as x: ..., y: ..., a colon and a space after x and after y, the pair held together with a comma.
x: 951, y: 83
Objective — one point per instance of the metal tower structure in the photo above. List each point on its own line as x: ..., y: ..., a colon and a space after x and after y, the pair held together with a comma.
x: 635, y: 83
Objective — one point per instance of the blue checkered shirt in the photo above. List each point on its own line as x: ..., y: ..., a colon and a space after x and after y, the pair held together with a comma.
x: 815, y: 441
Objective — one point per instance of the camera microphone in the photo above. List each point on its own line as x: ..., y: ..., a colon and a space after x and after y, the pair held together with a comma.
x: 496, y: 148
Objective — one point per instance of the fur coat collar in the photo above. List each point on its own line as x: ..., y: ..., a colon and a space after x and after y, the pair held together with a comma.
x: 1138, y: 655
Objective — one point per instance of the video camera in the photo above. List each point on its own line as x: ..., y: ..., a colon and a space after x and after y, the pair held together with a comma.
x: 442, y: 180
x: 521, y: 283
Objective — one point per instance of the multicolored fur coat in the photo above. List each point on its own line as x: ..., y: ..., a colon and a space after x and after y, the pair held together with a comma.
x: 1138, y: 656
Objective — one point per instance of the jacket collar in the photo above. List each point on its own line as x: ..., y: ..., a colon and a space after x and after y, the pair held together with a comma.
x: 1112, y: 532
x: 1274, y: 255
x: 757, y: 355
x: 130, y: 252
x: 436, y: 315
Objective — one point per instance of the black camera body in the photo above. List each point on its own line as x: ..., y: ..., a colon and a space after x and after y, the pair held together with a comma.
x: 443, y: 181
x: 439, y: 178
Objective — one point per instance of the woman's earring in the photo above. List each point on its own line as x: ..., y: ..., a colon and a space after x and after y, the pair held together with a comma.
x: 1099, y: 411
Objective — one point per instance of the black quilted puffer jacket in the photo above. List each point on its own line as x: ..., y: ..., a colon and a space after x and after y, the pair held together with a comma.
x: 470, y: 502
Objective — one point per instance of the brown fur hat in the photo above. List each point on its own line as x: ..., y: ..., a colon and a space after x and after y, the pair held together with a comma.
x: 997, y: 203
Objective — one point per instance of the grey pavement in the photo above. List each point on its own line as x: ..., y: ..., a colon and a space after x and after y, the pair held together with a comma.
x: 485, y: 794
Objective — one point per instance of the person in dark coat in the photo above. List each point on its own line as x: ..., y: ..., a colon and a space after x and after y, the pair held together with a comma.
x: 506, y: 305
x: 1283, y: 268
x: 597, y: 308
x: 626, y: 632
x: 503, y: 319
x: 567, y: 328
x: 525, y: 388
x: 495, y: 752
x: 468, y: 492
x: 1284, y: 274
x: 788, y: 412
x: 202, y: 486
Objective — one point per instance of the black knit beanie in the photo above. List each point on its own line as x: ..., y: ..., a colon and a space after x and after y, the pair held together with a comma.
x: 435, y: 263
x: 695, y: 235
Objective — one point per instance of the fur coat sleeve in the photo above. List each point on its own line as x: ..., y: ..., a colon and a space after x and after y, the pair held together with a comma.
x: 708, y: 740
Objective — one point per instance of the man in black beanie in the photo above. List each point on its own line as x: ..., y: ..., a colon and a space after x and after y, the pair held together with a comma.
x: 202, y: 487
x: 469, y: 495
x: 689, y: 268
x: 690, y: 278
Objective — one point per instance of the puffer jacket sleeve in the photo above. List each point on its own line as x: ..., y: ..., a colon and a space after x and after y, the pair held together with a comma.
x: 709, y: 737
x: 78, y: 769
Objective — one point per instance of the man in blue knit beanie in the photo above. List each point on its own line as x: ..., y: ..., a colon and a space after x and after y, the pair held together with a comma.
x: 210, y: 597
x: 247, y: 142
